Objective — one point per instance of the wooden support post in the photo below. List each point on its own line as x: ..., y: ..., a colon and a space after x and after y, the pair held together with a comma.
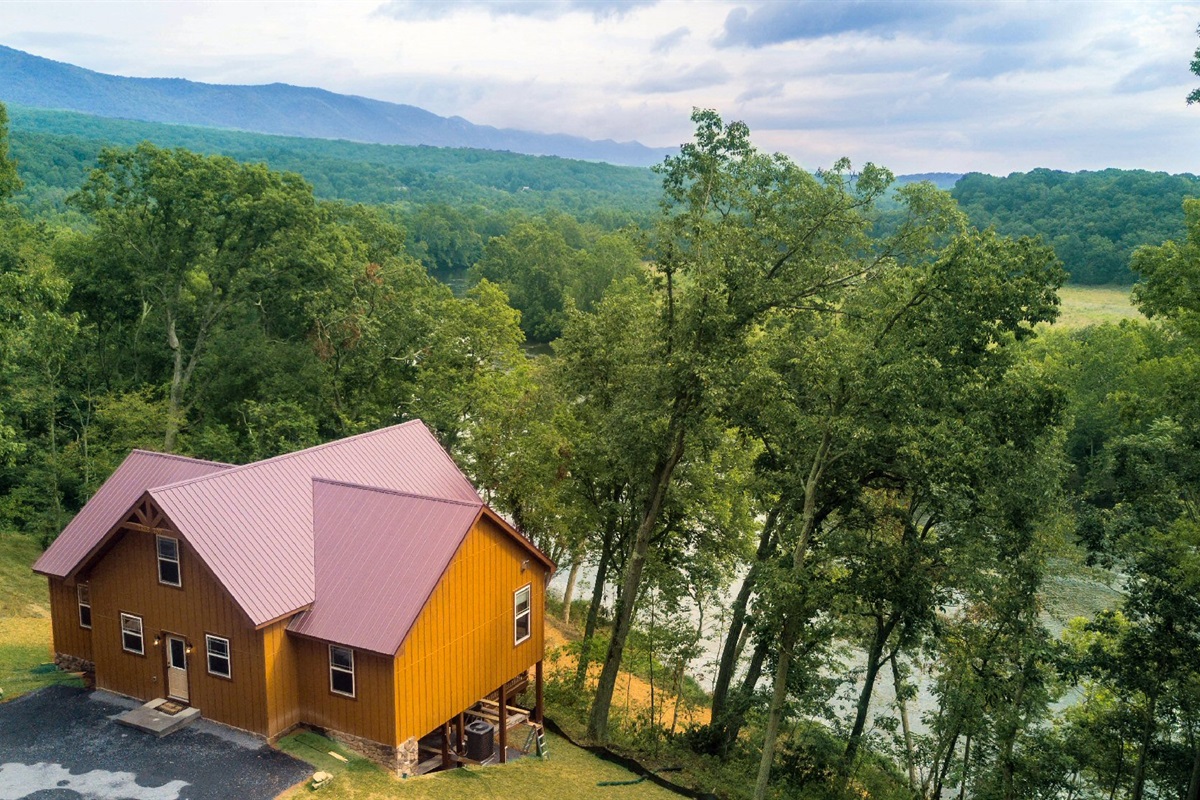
x: 503, y: 723
x: 539, y: 709
x: 459, y: 732
x: 446, y: 745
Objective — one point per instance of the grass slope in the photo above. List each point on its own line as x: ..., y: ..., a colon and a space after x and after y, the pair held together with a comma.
x: 26, y: 654
x: 568, y: 772
x: 1094, y: 305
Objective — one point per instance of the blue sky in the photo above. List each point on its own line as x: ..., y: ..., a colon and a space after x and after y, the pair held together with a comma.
x: 915, y: 86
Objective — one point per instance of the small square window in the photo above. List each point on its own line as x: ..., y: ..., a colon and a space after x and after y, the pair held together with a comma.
x: 522, y: 614
x: 84, y: 595
x: 168, y: 560
x: 217, y: 649
x: 131, y: 634
x: 341, y: 670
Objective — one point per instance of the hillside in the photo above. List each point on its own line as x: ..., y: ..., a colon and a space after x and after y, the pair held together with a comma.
x: 280, y: 108
x: 55, y: 149
x: 1094, y: 220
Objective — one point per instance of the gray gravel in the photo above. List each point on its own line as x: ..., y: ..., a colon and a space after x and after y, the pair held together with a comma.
x: 61, y: 742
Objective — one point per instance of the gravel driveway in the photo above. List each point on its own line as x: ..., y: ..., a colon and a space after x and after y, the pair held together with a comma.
x: 61, y: 742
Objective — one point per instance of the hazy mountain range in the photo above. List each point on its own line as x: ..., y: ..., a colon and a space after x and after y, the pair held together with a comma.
x: 280, y: 108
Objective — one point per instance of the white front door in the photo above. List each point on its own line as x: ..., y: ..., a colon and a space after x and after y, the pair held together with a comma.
x: 177, y: 680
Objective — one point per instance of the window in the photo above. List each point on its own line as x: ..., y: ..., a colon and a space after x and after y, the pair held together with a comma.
x: 521, y: 615
x: 131, y: 634
x: 217, y: 649
x: 84, y: 594
x: 341, y: 670
x: 168, y: 560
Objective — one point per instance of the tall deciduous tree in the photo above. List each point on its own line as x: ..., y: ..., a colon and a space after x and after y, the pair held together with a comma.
x: 185, y: 239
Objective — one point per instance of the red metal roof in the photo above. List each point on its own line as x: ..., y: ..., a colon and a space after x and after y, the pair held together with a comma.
x: 253, y: 525
x: 379, y: 555
x: 140, y: 471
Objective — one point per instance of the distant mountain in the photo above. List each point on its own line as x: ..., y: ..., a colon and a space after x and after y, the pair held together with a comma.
x: 942, y: 180
x: 280, y: 108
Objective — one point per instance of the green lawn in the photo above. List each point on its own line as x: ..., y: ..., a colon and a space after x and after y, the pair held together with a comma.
x: 569, y: 772
x: 26, y: 657
x: 1092, y: 305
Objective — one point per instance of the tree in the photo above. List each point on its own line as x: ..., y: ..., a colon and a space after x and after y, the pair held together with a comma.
x: 10, y: 183
x: 1194, y: 96
x: 187, y: 240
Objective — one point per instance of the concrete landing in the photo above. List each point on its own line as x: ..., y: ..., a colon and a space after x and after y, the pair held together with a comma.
x: 148, y: 718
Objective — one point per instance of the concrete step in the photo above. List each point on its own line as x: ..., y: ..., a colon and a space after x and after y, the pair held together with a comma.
x: 148, y: 718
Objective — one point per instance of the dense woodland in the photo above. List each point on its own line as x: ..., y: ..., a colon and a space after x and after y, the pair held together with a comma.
x: 824, y: 409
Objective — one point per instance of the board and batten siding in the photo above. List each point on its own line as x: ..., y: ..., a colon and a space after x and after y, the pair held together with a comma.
x: 70, y: 638
x: 281, y: 667
x: 369, y: 714
x: 461, y: 648
x: 125, y: 580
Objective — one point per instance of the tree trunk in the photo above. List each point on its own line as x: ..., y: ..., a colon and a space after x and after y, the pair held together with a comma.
x: 791, y: 633
x: 945, y: 768
x: 569, y: 592
x: 740, y: 702
x: 883, y: 631
x: 792, y: 626
x: 962, y: 782
x: 737, y: 621
x: 909, y: 755
x: 1139, y: 772
x: 593, y: 617
x: 631, y: 584
x: 176, y: 394
x: 1193, y: 791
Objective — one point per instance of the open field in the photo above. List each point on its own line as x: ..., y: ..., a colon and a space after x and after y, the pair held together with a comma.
x: 26, y: 655
x: 1093, y: 305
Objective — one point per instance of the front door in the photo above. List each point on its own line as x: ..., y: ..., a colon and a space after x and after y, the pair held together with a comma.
x: 177, y: 680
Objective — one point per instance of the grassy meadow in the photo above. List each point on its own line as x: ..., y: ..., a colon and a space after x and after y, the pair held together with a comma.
x: 1094, y: 305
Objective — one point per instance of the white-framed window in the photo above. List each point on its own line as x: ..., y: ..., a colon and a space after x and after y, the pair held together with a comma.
x: 341, y: 670
x: 522, y: 614
x: 217, y: 650
x: 168, y: 560
x: 131, y: 634
x: 83, y: 594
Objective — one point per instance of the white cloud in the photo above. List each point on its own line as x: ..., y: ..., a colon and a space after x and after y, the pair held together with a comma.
x: 993, y: 86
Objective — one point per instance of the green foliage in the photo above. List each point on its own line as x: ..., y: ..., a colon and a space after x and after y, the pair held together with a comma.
x: 56, y: 149
x: 1093, y: 220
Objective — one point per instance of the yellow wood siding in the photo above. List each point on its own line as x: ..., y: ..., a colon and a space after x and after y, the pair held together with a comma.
x: 368, y: 714
x: 125, y: 580
x: 282, y: 676
x: 461, y: 647
x: 70, y: 637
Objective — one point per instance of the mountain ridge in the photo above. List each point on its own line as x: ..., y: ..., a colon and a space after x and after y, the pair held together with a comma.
x: 282, y: 109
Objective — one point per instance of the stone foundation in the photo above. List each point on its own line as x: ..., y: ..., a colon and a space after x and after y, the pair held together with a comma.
x: 73, y: 664
x: 401, y: 760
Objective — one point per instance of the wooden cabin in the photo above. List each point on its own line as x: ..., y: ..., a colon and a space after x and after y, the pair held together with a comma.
x: 360, y: 587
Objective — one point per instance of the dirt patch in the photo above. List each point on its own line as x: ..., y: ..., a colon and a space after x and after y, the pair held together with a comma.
x: 632, y: 694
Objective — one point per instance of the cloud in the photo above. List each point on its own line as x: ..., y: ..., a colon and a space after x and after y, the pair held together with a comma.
x: 1155, y: 75
x: 710, y: 73
x: 760, y: 92
x: 775, y: 23
x: 668, y: 41
x: 542, y: 9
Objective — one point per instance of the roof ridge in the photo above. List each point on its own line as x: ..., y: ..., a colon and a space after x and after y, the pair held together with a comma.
x: 283, y: 456
x: 398, y: 493
x: 177, y: 457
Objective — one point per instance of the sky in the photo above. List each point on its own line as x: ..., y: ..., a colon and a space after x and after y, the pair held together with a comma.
x: 916, y: 86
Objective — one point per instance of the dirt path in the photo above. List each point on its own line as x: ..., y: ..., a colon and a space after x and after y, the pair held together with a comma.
x: 632, y: 695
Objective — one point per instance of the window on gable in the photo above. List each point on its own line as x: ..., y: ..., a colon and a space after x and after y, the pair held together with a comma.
x: 522, y: 615
x: 131, y: 634
x: 217, y: 649
x: 168, y: 560
x: 341, y: 670
x: 83, y: 594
